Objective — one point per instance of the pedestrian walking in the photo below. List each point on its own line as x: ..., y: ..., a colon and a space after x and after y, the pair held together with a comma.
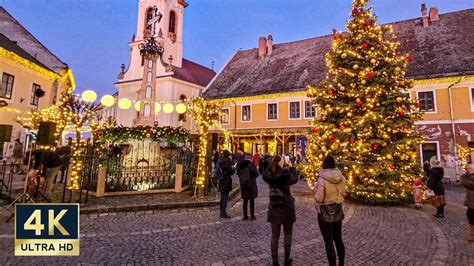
x: 435, y: 183
x: 280, y: 175
x: 225, y: 182
x: 248, y: 174
x: 418, y: 193
x: 18, y: 156
x: 467, y: 181
x: 329, y: 196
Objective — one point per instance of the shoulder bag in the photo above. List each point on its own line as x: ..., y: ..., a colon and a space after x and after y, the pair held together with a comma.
x: 333, y: 212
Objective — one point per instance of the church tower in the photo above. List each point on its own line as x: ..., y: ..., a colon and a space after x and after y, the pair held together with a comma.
x: 154, y: 79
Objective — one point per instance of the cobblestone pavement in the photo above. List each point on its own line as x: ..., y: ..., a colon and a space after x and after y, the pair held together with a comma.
x: 373, y: 236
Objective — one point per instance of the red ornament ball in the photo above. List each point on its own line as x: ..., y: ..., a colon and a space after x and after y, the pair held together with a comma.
x: 398, y: 54
x: 314, y: 130
x: 364, y: 45
x: 342, y: 127
x: 409, y: 58
x: 359, y: 101
x: 351, y: 140
x: 366, y: 22
x: 417, y: 105
x: 376, y: 146
x: 330, y: 92
x: 309, y: 94
x: 370, y: 75
x: 404, y: 126
x: 331, y: 138
x: 354, y: 11
x: 401, y: 113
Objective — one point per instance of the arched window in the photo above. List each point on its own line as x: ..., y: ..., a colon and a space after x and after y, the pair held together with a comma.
x: 172, y: 25
x: 148, y: 92
x: 182, y: 117
x: 147, y: 110
x: 148, y: 16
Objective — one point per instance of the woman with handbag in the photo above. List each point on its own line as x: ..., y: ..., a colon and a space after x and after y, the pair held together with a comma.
x: 329, y: 197
x: 435, y: 183
x: 280, y: 175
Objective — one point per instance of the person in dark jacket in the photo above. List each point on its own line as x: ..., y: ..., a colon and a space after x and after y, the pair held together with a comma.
x: 248, y: 174
x: 280, y: 175
x: 50, y: 164
x: 64, y: 154
x: 467, y: 181
x: 426, y: 168
x: 239, y: 156
x: 435, y: 183
x: 225, y: 184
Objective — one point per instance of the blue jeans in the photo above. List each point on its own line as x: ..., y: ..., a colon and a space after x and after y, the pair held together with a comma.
x: 223, y: 203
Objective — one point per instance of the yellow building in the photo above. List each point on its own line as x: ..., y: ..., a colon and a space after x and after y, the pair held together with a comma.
x: 264, y: 88
x: 31, y: 77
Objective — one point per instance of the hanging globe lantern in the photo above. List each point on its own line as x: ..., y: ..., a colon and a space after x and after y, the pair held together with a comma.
x: 168, y: 108
x: 180, y: 108
x: 124, y: 104
x: 89, y: 96
x: 137, y: 106
x: 157, y: 108
x: 107, y: 100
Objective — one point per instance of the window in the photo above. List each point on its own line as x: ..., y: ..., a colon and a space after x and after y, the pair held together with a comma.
x: 172, y: 25
x: 309, y: 110
x: 427, y: 101
x: 272, y: 111
x: 246, y: 113
x: 428, y: 150
x: 7, y: 86
x: 182, y: 117
x: 147, y: 110
x: 33, y: 98
x: 472, y: 100
x: 295, y: 112
x: 225, y: 117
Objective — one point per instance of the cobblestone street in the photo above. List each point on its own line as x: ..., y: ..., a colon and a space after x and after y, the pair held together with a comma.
x: 373, y: 236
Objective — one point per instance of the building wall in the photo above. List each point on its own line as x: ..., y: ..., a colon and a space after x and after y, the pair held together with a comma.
x: 22, y: 90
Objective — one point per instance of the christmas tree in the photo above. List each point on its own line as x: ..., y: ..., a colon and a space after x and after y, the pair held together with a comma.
x: 365, y: 116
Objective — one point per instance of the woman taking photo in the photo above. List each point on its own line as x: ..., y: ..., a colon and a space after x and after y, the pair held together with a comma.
x: 329, y: 195
x: 280, y: 175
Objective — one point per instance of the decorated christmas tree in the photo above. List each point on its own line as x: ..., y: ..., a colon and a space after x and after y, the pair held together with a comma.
x: 365, y: 115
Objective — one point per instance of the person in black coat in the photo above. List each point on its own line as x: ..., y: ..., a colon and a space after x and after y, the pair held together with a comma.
x: 435, y: 183
x: 225, y: 184
x: 426, y: 168
x: 248, y: 174
x: 280, y: 175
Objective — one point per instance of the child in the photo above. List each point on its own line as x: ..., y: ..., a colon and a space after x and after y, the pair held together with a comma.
x: 417, y: 193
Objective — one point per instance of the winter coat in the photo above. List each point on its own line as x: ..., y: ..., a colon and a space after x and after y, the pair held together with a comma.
x: 279, y: 184
x: 225, y: 184
x: 435, y: 180
x: 467, y: 180
x: 330, y: 188
x: 426, y: 167
x: 247, y: 170
x: 238, y: 158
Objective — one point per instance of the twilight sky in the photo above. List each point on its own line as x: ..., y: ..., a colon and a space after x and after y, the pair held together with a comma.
x: 92, y: 36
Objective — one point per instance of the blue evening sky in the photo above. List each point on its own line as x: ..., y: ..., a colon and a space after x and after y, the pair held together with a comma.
x: 92, y: 36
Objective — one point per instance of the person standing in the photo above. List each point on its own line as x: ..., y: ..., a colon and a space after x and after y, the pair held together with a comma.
x: 330, y: 190
x: 435, y: 183
x: 426, y: 168
x: 467, y: 181
x: 64, y: 153
x: 280, y: 175
x: 18, y: 156
x: 50, y: 164
x: 239, y: 156
x: 225, y: 183
x: 248, y: 174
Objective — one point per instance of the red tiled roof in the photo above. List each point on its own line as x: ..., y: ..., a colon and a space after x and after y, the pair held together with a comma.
x: 194, y: 73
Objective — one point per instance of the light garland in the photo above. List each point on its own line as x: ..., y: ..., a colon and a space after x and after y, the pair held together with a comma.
x: 464, y: 153
x: 13, y: 57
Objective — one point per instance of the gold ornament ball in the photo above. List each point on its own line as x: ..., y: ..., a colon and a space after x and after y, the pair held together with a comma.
x: 349, y: 114
x: 363, y: 82
x: 320, y: 156
x: 344, y: 55
x: 355, y: 66
x: 398, y: 69
x: 373, y: 61
x: 399, y: 99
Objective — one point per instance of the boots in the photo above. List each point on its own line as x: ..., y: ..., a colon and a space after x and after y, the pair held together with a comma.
x: 470, y: 233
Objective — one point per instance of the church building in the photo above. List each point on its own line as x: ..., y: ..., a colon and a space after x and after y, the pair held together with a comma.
x: 154, y: 81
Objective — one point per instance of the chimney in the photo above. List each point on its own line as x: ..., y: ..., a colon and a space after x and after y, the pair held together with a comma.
x: 262, y: 47
x: 434, y: 16
x: 424, y: 16
x: 270, y: 45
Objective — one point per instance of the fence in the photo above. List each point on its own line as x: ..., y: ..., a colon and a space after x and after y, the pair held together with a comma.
x: 138, y: 167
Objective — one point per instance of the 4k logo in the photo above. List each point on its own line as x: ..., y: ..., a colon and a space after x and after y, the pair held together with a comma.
x: 47, y: 230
